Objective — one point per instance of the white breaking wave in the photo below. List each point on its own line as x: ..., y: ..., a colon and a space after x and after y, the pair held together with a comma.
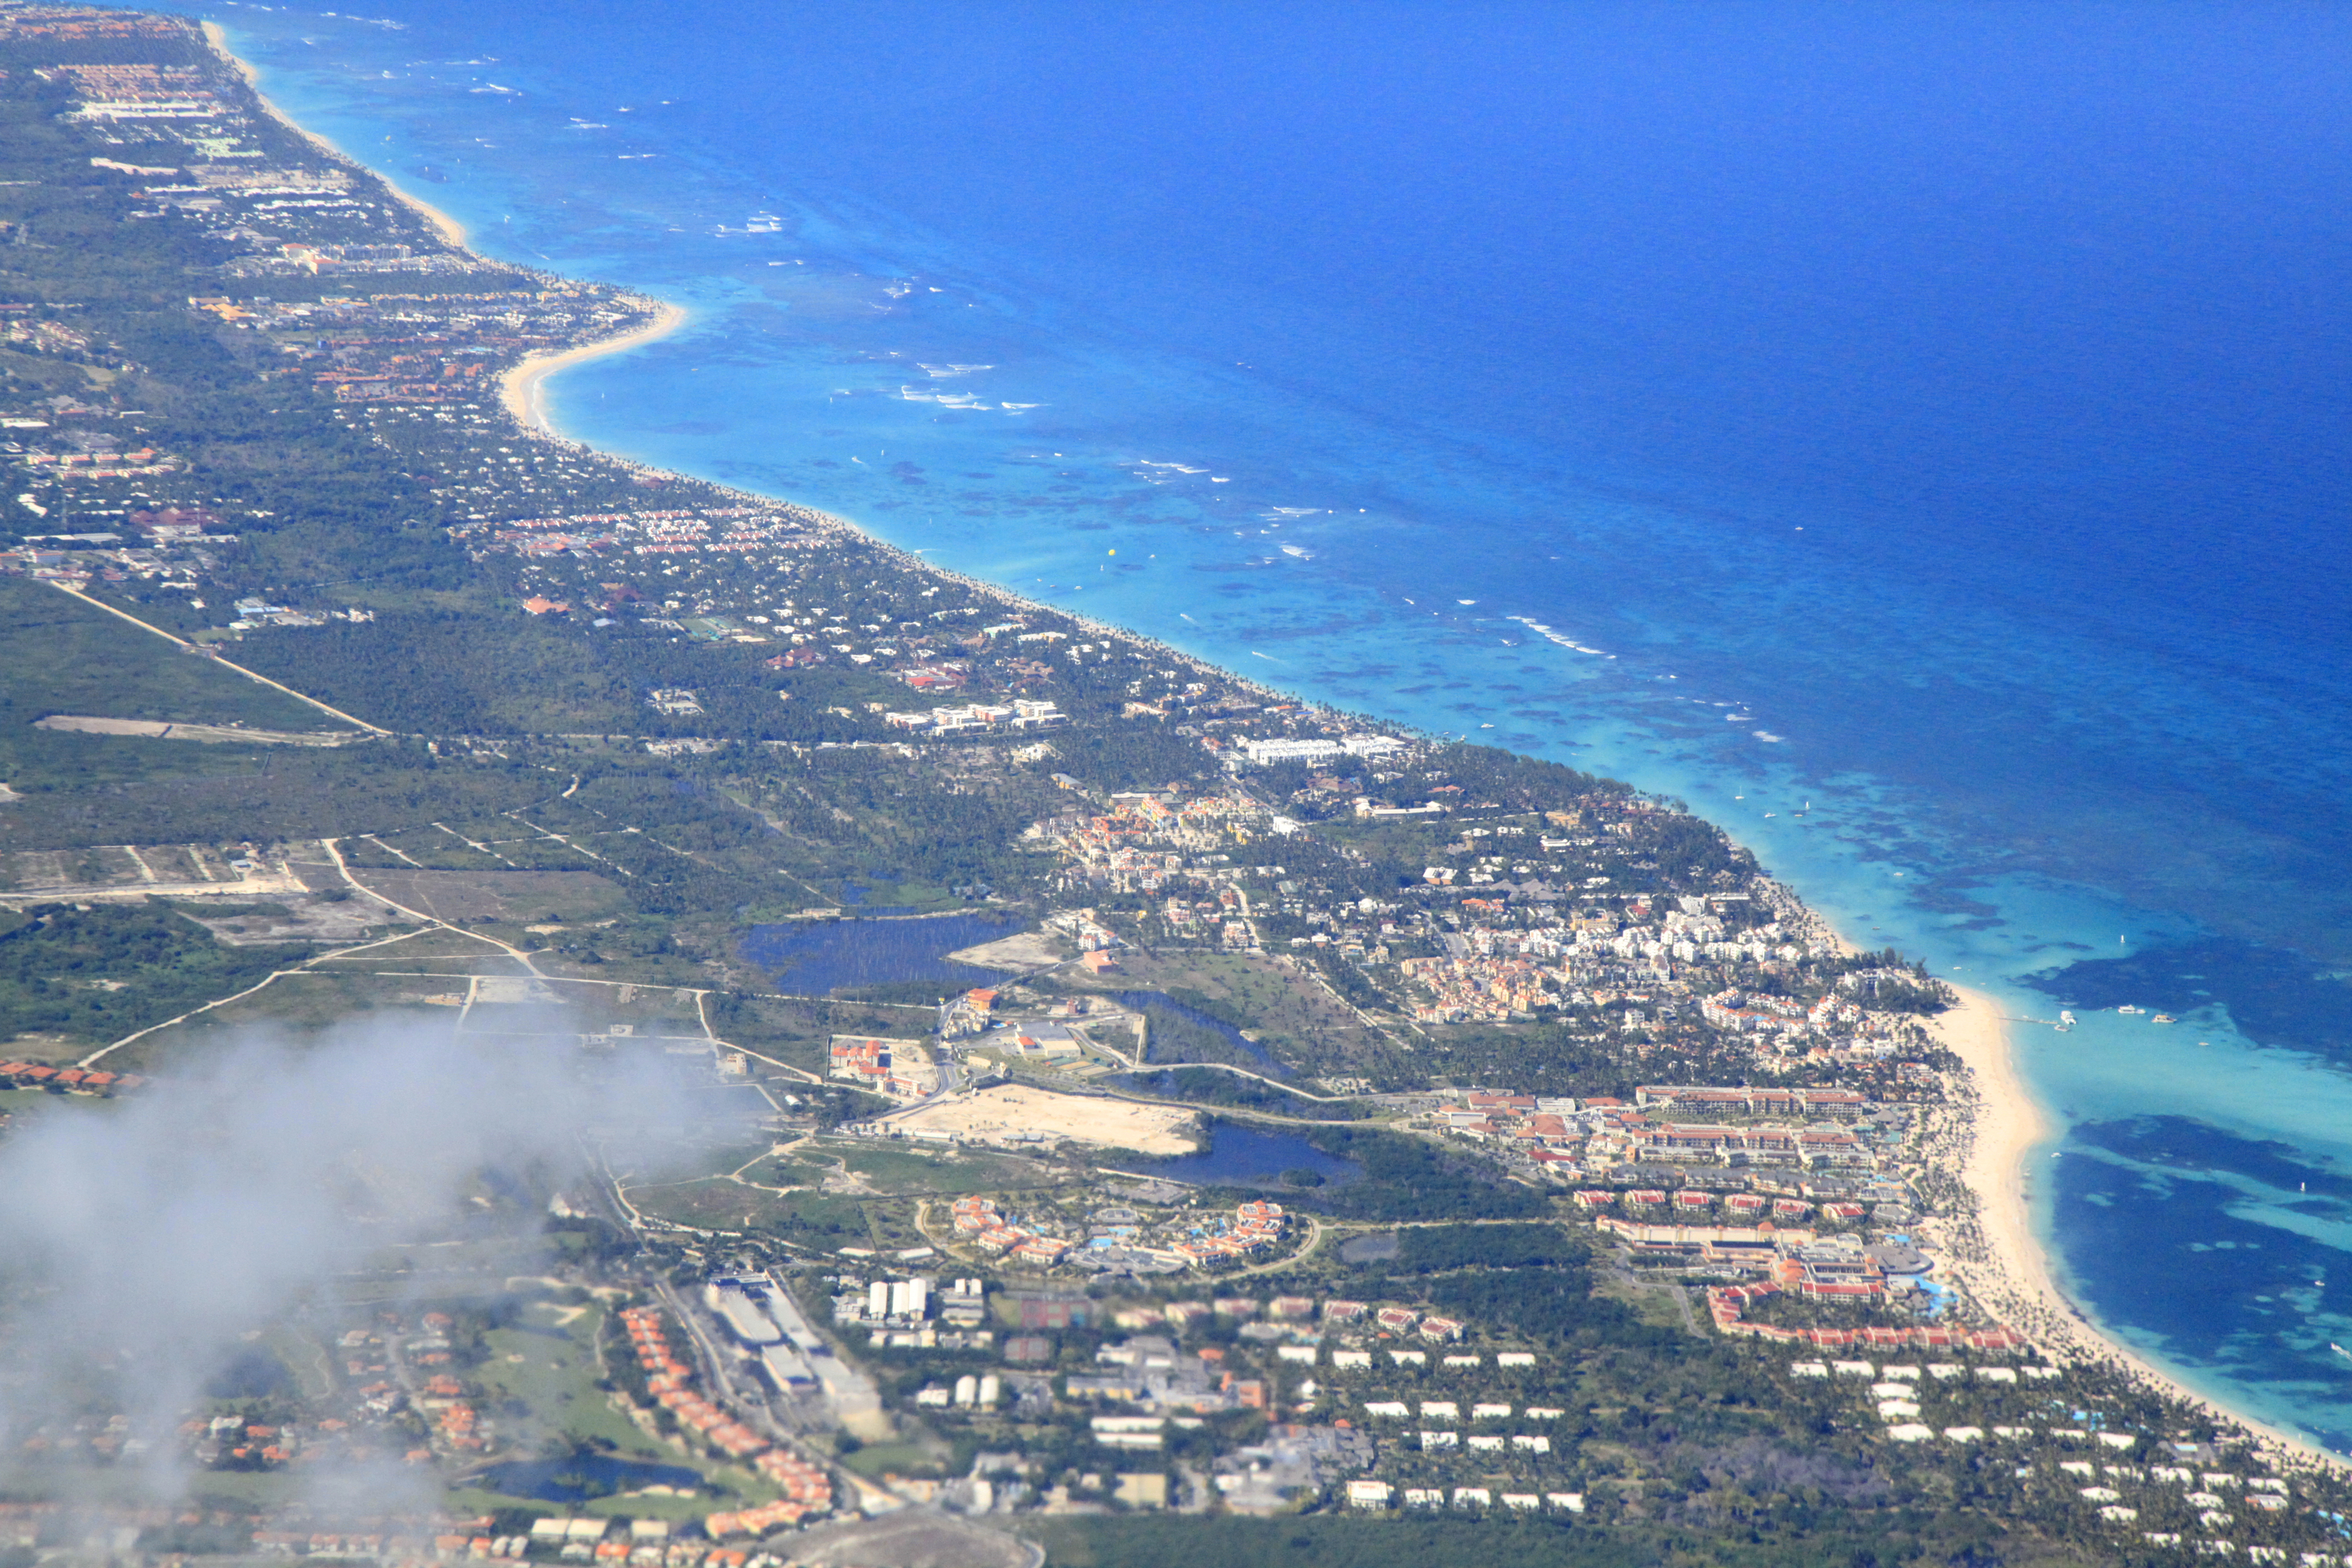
x: 1550, y: 635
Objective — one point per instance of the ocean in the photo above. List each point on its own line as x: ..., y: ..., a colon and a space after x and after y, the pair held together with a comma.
x: 1916, y: 435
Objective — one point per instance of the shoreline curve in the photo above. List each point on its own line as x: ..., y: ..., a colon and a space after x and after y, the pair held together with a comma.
x: 521, y: 388
x: 2004, y: 1264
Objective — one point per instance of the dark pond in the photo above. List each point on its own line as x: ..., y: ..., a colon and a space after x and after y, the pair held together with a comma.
x: 1239, y: 1156
x: 581, y: 1477
x: 817, y: 958
x: 1369, y: 1249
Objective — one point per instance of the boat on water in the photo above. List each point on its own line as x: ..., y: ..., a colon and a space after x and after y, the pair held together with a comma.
x: 2127, y: 1008
x: 2065, y: 1020
x: 2164, y: 1018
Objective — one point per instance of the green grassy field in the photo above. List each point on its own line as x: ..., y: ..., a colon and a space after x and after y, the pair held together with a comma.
x: 548, y: 1362
x: 66, y: 656
x: 897, y: 1171
x: 717, y: 1204
x: 95, y: 974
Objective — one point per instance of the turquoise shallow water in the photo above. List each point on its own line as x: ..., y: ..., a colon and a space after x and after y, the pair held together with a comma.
x: 1916, y: 440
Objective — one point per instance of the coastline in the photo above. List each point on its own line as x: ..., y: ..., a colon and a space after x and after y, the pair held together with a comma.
x: 1995, y: 1253
x: 2002, y: 1262
x: 448, y: 228
x: 519, y: 388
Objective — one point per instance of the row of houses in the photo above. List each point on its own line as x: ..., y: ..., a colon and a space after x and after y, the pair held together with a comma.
x: 1022, y: 713
x: 1770, y: 1144
x: 807, y: 1489
x: 1755, y: 1101
x: 66, y: 1080
x: 1382, y: 1494
x: 1567, y: 1142
x: 1726, y: 1303
x: 1748, y: 1206
x: 1302, y: 1311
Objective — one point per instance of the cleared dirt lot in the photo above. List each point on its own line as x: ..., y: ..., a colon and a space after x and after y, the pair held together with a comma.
x: 1030, y: 950
x: 216, y: 734
x: 996, y: 1115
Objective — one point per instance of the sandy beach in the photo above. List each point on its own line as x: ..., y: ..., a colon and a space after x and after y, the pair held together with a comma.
x: 2006, y: 1128
x: 519, y: 389
x: 451, y: 228
x: 2001, y: 1261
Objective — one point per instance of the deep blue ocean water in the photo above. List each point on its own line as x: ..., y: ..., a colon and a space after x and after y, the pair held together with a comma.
x: 1934, y: 415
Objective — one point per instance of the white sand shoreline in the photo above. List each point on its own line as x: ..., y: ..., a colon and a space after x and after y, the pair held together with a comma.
x: 2001, y: 1261
x: 449, y: 227
x: 520, y: 385
x: 520, y: 389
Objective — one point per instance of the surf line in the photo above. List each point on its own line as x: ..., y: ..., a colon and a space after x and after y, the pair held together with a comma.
x: 1548, y: 635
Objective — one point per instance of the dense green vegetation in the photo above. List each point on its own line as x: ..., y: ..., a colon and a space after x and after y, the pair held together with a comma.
x: 1436, y: 1250
x: 1411, y: 1179
x: 94, y: 974
x: 65, y: 657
